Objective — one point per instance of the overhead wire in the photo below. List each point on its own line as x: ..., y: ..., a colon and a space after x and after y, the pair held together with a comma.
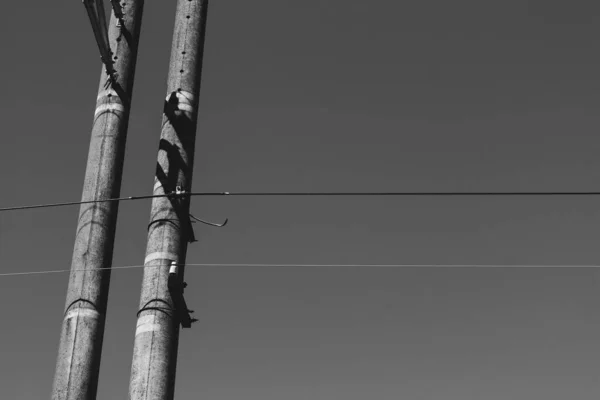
x: 255, y: 265
x: 183, y: 194
x: 175, y: 195
x: 73, y: 203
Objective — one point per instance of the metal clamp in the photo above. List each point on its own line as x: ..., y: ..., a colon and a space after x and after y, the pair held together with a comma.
x: 176, y: 289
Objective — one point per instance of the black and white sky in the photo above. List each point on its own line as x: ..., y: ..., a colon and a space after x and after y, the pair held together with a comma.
x: 328, y: 95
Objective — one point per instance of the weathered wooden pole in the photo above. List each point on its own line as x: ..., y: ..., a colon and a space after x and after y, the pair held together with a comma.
x: 82, y: 331
x: 157, y: 333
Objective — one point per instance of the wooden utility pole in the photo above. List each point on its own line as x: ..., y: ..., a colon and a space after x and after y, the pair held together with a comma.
x: 82, y: 330
x: 157, y: 333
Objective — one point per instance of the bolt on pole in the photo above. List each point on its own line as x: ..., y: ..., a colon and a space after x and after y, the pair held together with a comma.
x: 157, y: 332
x: 82, y: 331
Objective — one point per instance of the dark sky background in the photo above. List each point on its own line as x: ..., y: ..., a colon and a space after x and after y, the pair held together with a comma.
x: 336, y: 95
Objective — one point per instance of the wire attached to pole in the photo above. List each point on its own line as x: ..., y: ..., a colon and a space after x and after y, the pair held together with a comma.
x: 74, y: 203
x: 244, y: 265
x: 276, y: 194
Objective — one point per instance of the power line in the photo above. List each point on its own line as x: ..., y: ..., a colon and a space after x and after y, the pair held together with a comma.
x: 400, y: 194
x: 246, y: 265
x: 264, y: 194
x: 73, y: 203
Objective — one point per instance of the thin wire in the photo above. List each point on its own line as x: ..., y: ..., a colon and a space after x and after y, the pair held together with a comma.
x: 400, y: 194
x: 399, y: 265
x: 313, y: 266
x: 57, y: 271
x: 72, y: 203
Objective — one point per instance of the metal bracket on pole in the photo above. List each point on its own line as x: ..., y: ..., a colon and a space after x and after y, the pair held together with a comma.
x: 185, y: 218
x: 176, y: 290
x: 179, y: 192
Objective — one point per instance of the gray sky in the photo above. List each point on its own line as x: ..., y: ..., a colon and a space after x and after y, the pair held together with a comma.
x: 328, y: 96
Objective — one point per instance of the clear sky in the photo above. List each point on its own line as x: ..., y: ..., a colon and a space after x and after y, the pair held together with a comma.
x: 336, y: 95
